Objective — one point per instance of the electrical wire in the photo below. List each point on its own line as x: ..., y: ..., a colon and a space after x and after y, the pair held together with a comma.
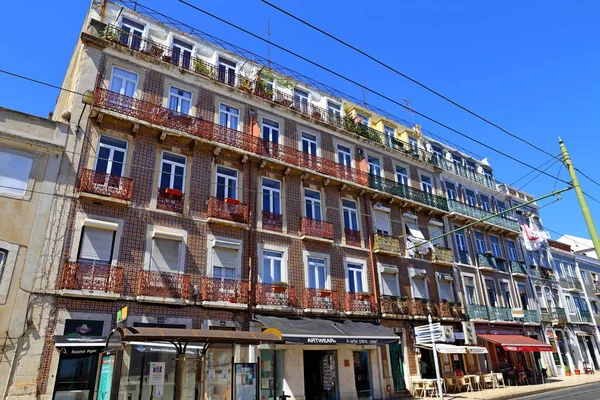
x: 431, y: 119
x: 538, y: 175
x: 530, y: 172
x: 372, y: 58
x: 592, y: 180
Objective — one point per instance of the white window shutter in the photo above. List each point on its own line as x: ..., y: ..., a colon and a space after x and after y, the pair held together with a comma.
x: 382, y: 221
x: 413, y: 228
x: 435, y: 231
x: 226, y: 258
x: 165, y: 255
x: 96, y: 244
x: 446, y: 291
x: 389, y: 283
x: 419, y: 287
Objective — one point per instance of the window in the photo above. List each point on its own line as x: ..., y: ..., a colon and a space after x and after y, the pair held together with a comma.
x: 471, y: 165
x: 389, y: 134
x: 355, y: 278
x: 226, y: 71
x: 402, y: 175
x: 418, y: 287
x: 271, y: 200
x: 451, y: 190
x: 445, y: 287
x: 495, y: 246
x: 480, y: 240
x: 490, y: 288
x: 132, y: 33
x: 110, y: 158
x: 123, y: 82
x: 471, y: 200
x: 412, y: 228
x: 570, y: 306
x: 317, y: 273
x: 180, y: 100
x: 227, y: 182
x: 435, y: 231
x: 15, y: 171
x: 382, y: 221
x: 3, y: 256
x: 165, y: 255
x: 579, y: 304
x: 549, y: 298
x: 584, y: 277
x: 309, y: 143
x: 426, y: 184
x: 485, y: 203
x: 505, y: 290
x: 512, y: 250
x: 541, y: 298
x: 457, y: 161
x: 461, y: 244
x: 334, y: 109
x: 182, y: 53
x: 362, y: 119
x: 225, y: 259
x: 229, y: 116
x: 470, y: 290
x: 301, y: 100
x: 389, y: 281
x: 172, y: 171
x: 312, y: 202
x: 272, y: 262
x: 500, y: 206
x: 270, y: 130
x: 344, y: 155
x: 374, y: 165
x: 593, y: 303
x: 414, y: 144
x: 438, y: 155
x: 350, y: 215
x: 96, y: 246
x: 523, y: 295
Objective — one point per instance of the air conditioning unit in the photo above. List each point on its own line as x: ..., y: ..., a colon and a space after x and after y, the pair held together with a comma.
x: 469, y: 332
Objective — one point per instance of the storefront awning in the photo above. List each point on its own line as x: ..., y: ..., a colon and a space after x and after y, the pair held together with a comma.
x: 452, y: 349
x: 323, y: 331
x: 130, y: 334
x: 79, y: 341
x: 517, y: 342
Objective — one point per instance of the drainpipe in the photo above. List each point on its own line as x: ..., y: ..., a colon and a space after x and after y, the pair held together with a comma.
x: 371, y: 257
x: 251, y: 288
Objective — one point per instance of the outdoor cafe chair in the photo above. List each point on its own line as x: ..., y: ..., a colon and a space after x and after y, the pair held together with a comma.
x: 431, y: 388
x: 488, y: 381
x: 477, y: 382
x: 500, y: 380
x: 466, y: 383
x: 451, y: 384
x: 419, y: 389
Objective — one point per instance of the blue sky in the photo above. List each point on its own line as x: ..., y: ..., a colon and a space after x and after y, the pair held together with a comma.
x: 530, y: 66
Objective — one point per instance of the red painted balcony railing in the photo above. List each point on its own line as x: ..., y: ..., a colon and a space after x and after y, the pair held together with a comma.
x: 272, y: 221
x: 323, y: 299
x: 91, y: 181
x: 163, y: 284
x: 357, y: 302
x: 316, y: 228
x: 225, y: 290
x: 227, y: 209
x: 169, y: 201
x: 78, y: 276
x: 271, y: 295
x: 352, y: 237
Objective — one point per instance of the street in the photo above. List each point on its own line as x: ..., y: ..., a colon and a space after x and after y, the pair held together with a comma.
x: 585, y: 392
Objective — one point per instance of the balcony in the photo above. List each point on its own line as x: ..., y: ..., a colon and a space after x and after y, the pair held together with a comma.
x: 352, y: 237
x: 441, y: 256
x: 597, y: 288
x: 156, y: 284
x: 272, y: 221
x: 584, y: 316
x: 487, y: 262
x: 574, y: 284
x: 500, y: 314
x: 316, y: 229
x: 518, y: 268
x: 407, y: 192
x: 86, y: 278
x: 227, y: 210
x: 321, y: 300
x: 234, y: 292
x: 386, y: 244
x: 531, y: 317
x: 359, y: 303
x: 170, y: 200
x: 101, y: 184
x: 421, y: 308
x: 278, y: 297
x: 477, y: 213
x: 394, y: 306
x: 477, y: 312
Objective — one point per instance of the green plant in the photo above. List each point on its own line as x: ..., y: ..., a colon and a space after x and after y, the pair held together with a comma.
x: 111, y: 34
x: 268, y: 75
x: 280, y: 284
x: 567, y: 369
x: 202, y: 68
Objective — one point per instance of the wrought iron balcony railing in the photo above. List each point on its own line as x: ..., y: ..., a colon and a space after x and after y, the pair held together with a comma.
x: 476, y: 311
x: 386, y: 244
x: 317, y: 228
x: 81, y: 276
x: 94, y: 182
x: 273, y: 295
x: 323, y: 299
x: 167, y: 201
x: 531, y: 316
x: 225, y: 290
x: 228, y: 210
x: 352, y: 237
x: 259, y: 87
x: 464, y: 257
x: 407, y: 192
x: 272, y: 221
x: 517, y: 267
x: 359, y: 303
x: 478, y: 213
x: 584, y: 316
x: 163, y: 284
x: 500, y: 314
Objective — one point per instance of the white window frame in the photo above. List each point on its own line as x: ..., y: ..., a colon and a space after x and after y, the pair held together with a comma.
x: 6, y: 271
x: 496, y: 248
x: 229, y: 115
x: 274, y: 195
x: 363, y: 119
x: 487, y: 297
x: 182, y: 49
x: 510, y: 293
x: 461, y: 245
x: 374, y: 167
x: 432, y: 234
x: 402, y: 178
x: 451, y: 193
x: 485, y: 205
x: 363, y: 279
x: 114, y: 224
x: 121, y: 91
x: 27, y: 191
x: 313, y: 204
x: 272, y: 126
x: 389, y: 132
x: 427, y: 187
x: 512, y: 251
x: 391, y: 270
x: 334, y: 108
x: 301, y: 99
x: 413, y: 279
x: 173, y: 165
x: 450, y: 285
x: 476, y: 291
x: 227, y: 179
x: 224, y: 242
x: 107, y: 227
x: 346, y: 155
x: 480, y: 242
x: 111, y: 153
x: 180, y: 100
x: 306, y: 255
x: 468, y: 198
x: 310, y: 141
x: 284, y: 261
x: 389, y: 227
x: 165, y: 235
x: 351, y: 212
x: 229, y: 67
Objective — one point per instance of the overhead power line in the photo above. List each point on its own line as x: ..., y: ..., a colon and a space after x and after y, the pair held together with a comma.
x: 435, y: 92
x: 369, y: 90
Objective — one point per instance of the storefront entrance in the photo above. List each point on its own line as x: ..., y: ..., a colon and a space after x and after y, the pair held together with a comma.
x: 397, y: 367
x: 590, y: 346
x: 75, y: 378
x: 362, y: 375
x: 320, y: 375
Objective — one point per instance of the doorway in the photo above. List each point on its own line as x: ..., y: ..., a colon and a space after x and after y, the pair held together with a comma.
x: 320, y: 375
x: 397, y: 367
x: 427, y: 364
x: 588, y: 341
x: 362, y: 375
x: 76, y: 375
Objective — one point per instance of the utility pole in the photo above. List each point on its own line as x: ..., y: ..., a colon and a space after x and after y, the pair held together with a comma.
x: 581, y: 197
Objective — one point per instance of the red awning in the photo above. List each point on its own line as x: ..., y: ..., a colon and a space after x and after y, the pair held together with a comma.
x: 517, y: 342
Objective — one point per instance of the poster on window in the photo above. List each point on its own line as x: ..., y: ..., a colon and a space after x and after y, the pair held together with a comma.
x: 245, y: 381
x: 156, y: 375
x: 107, y: 367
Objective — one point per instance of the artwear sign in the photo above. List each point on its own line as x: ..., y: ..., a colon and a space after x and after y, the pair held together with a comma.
x: 339, y: 340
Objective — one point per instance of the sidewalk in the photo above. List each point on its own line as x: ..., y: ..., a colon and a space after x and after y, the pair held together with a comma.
x: 510, y: 392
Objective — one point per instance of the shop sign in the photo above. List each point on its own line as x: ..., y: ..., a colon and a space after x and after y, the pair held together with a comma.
x: 338, y: 340
x: 80, y: 351
x: 527, y: 348
x: 79, y: 327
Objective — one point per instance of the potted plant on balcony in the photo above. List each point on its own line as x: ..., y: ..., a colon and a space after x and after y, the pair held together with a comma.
x: 488, y: 253
x: 325, y: 293
x: 246, y: 85
x: 173, y: 192
x: 111, y: 34
x: 316, y: 114
x: 567, y: 370
x: 279, y: 287
x: 363, y: 296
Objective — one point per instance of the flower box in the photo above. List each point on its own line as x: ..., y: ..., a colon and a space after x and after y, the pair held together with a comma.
x: 364, y: 296
x: 278, y: 289
x: 325, y: 293
x: 173, y: 192
x: 231, y: 201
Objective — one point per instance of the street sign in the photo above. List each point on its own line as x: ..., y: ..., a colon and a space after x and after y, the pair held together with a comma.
x: 122, y: 314
x: 429, y: 333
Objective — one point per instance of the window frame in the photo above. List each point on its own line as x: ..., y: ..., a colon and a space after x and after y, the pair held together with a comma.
x: 479, y: 241
x: 112, y: 150
x: 270, y: 123
x: 327, y: 270
x: 398, y: 175
x: 487, y: 292
x: 352, y: 212
x: 123, y: 78
x: 180, y: 99
x: 468, y: 300
x: 450, y: 286
x: 468, y: 197
x: 223, y: 242
x: 304, y: 138
x: 29, y: 184
x: 374, y: 167
x: 413, y: 279
x: 487, y: 204
x: 283, y: 266
x: 512, y: 250
x: 227, y: 178
x: 363, y: 274
x: 228, y: 115
x: 172, y: 174
x: 389, y: 225
x: 451, y: 190
x: 181, y: 62
x: 390, y: 270
x: 111, y: 256
x: 180, y: 252
x: 313, y: 204
x: 496, y: 248
x: 505, y: 283
x: 427, y: 187
x: 273, y: 194
x: 347, y: 155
